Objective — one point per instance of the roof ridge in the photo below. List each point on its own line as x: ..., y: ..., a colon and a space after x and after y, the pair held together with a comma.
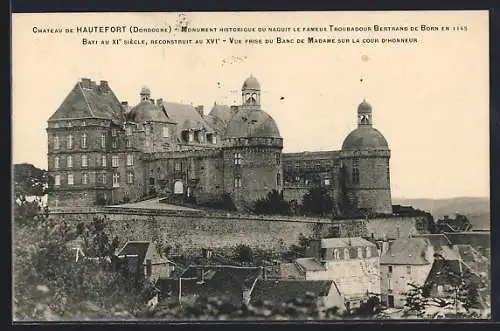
x: 85, y: 98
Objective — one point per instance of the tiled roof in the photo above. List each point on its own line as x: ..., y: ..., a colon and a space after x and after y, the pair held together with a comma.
x: 222, y: 112
x: 89, y: 100
x: 410, y: 251
x: 475, y: 239
x: 285, y: 290
x: 346, y: 242
x: 147, y: 111
x: 310, y: 264
x: 185, y: 116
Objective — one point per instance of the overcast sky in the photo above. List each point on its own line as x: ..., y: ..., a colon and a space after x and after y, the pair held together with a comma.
x: 430, y: 99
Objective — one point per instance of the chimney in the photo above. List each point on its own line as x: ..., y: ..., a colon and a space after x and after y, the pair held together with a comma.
x: 234, y: 109
x: 446, y: 217
x: 159, y: 101
x: 86, y: 83
x: 124, y: 104
x: 152, y: 101
x: 199, y: 109
x: 104, y: 87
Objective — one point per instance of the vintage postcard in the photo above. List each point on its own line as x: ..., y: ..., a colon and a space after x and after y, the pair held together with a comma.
x: 251, y: 166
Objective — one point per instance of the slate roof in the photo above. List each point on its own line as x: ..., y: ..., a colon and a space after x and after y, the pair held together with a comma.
x: 252, y: 123
x: 185, y: 116
x: 346, y: 242
x: 222, y: 112
x: 365, y: 137
x: 407, y: 251
x: 475, y: 239
x: 220, y: 281
x: 285, y: 290
x: 309, y: 264
x: 437, y: 240
x: 89, y: 100
x: 147, y: 111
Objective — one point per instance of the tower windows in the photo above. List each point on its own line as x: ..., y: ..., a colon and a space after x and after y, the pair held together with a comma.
x: 85, y: 178
x: 278, y: 158
x: 69, y: 142
x: 85, y: 161
x: 355, y: 171
x: 56, y: 142
x: 115, y: 161
x: 69, y: 162
x: 56, y: 162
x: 103, y: 140
x: 57, y: 180
x: 237, y: 182
x: 130, y: 160
x: 237, y: 158
x: 116, y: 179
x: 84, y: 140
x: 70, y: 179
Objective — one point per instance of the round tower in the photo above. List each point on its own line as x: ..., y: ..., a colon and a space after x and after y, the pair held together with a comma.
x: 252, y: 149
x: 365, y: 158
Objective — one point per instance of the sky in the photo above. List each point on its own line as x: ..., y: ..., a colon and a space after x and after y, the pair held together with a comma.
x: 430, y: 99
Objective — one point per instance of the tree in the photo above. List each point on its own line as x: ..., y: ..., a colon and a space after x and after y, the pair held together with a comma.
x: 317, y: 202
x: 30, y: 180
x: 272, y: 204
x: 244, y: 253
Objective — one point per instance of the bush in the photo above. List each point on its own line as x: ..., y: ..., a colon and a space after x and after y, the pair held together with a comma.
x: 272, y: 204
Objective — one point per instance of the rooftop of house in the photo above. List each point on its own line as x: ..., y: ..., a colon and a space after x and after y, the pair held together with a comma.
x: 285, y: 290
x: 407, y: 251
x: 346, y: 242
x: 143, y: 250
x: 309, y: 264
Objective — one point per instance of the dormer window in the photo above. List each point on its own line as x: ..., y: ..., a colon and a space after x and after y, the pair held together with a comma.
x: 346, y: 254
x: 336, y: 254
x: 165, y: 132
x: 214, y: 139
x: 190, y: 136
x: 360, y: 253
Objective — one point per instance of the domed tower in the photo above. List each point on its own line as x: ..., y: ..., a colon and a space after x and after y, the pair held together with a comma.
x: 252, y: 150
x: 365, y: 165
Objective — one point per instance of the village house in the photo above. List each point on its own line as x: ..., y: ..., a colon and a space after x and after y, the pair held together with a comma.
x: 326, y: 292
x: 144, y: 260
x: 407, y: 260
x: 352, y: 263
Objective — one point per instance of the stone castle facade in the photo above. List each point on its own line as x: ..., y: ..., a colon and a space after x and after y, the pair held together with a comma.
x: 102, y: 151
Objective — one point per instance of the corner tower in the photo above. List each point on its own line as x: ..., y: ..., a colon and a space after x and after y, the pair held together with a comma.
x: 365, y: 166
x: 252, y: 150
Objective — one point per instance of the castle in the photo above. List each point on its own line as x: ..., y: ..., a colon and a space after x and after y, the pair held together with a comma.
x: 102, y: 151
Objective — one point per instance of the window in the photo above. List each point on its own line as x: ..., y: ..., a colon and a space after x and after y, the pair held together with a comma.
x: 113, y: 132
x: 149, y: 268
x: 70, y: 179
x: 389, y: 285
x: 56, y: 162
x: 84, y: 123
x: 389, y: 269
x: 70, y: 124
x: 85, y: 178
x: 84, y: 140
x: 237, y: 158
x: 368, y: 252
x: 201, y: 137
x: 151, y: 180
x: 103, y: 178
x: 103, y: 140
x: 327, y: 182
x: 56, y: 142
x: 69, y: 142
x: 103, y: 161
x: 114, y: 161
x: 128, y: 130
x: 346, y: 254
x: 278, y: 179
x: 130, y: 177
x: 116, y: 179
x: 360, y: 253
x: 57, y: 180
x: 113, y: 143
x: 56, y: 125
x: 408, y: 269
x: 129, y: 143
x: 130, y: 160
x: 355, y: 171
x: 336, y: 254
x: 165, y: 132
x: 278, y: 158
x: 69, y: 162
x: 214, y: 139
x: 237, y: 181
x: 85, y: 161
x: 177, y: 166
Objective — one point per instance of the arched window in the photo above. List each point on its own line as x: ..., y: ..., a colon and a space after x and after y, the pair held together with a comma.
x: 368, y: 252
x: 69, y: 162
x: 69, y: 142
x: 56, y: 142
x: 56, y: 162
x: 84, y: 140
x: 103, y: 140
x: 237, y: 158
x: 346, y: 254
x: 336, y: 254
